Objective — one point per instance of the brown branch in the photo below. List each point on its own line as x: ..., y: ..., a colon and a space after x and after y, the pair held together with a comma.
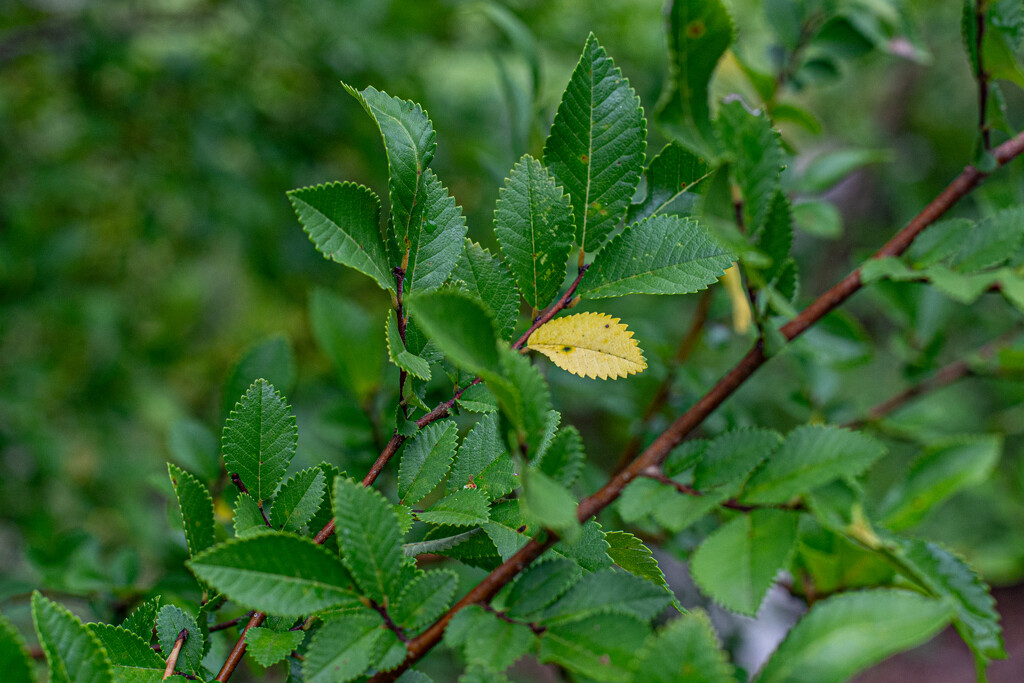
x: 238, y: 651
x: 664, y: 390
x: 942, y: 377
x: 659, y: 450
x: 172, y: 659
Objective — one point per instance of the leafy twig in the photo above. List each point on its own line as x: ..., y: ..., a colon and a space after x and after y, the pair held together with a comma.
x: 687, y: 490
x: 440, y: 411
x: 237, y: 481
x: 659, y: 450
x: 943, y: 377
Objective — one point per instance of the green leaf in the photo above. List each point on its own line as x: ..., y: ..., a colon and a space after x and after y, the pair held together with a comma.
x: 828, y: 168
x: 400, y: 356
x: 960, y: 287
x: 268, y: 646
x: 734, y: 455
x: 811, y: 455
x: 389, y: 651
x: 540, y: 585
x: 478, y: 399
x: 658, y: 255
x: 424, y: 599
x: 699, y: 32
x: 248, y: 519
x: 548, y: 503
x: 646, y: 497
x: 738, y: 563
x: 369, y: 538
x: 948, y: 576
x: 589, y: 550
x: 819, y: 218
x: 425, y: 460
x: 686, y: 649
x: 134, y: 661
x: 410, y: 142
x: 481, y: 447
x: 142, y: 620
x: 194, y: 447
x: 343, y: 648
x: 670, y: 175
x: 596, y: 146
x: 467, y: 507
x: 563, y: 460
x: 534, y: 226
x: 271, y: 359
x: 14, y: 658
x: 487, y: 641
x: 608, y: 591
x: 277, y: 573
x: 524, y: 398
x: 73, y: 652
x: 489, y: 280
x: 847, y: 633
x: 939, y: 242
x: 755, y: 159
x: 629, y: 552
x: 946, y: 466
x: 169, y: 623
x: 439, y: 544
x: 991, y: 241
x: 460, y: 326
x: 342, y: 221
x: 299, y: 499
x: 259, y: 439
x: 436, y: 237
x: 350, y: 338
x: 776, y: 239
x: 196, y: 508
x: 602, y: 647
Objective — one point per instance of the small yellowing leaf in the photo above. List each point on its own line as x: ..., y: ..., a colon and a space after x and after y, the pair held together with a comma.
x: 738, y: 298
x: 592, y: 345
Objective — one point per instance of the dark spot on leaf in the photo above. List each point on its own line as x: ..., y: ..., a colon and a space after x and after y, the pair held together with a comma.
x: 521, y: 529
x: 695, y: 29
x: 567, y: 349
x: 606, y: 325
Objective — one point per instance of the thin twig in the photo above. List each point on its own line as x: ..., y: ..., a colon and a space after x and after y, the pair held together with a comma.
x: 237, y: 481
x: 732, y: 503
x: 389, y: 622
x: 562, y: 303
x: 172, y: 659
x: 942, y: 377
x: 659, y: 450
x: 229, y: 623
x: 399, y: 273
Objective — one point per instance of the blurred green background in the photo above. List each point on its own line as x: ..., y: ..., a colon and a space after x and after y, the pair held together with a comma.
x: 146, y: 243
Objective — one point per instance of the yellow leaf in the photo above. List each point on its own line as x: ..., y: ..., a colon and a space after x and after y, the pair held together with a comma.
x: 740, y: 303
x: 592, y: 345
